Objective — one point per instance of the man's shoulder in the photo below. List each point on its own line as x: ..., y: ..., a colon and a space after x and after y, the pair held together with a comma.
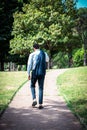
x: 31, y: 54
x: 38, y: 52
x: 35, y: 53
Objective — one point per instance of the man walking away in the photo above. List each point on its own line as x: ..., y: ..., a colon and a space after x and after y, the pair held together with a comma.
x: 37, y: 64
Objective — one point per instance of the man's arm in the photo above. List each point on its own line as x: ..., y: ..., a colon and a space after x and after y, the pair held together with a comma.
x: 47, y: 57
x: 29, y: 65
x: 47, y: 60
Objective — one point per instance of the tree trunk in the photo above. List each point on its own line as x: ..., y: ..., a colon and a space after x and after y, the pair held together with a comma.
x: 50, y: 54
x: 70, y: 63
x: 85, y: 53
x: 2, y: 65
x: 50, y: 60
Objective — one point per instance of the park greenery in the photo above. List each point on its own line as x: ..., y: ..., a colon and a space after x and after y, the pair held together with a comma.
x: 61, y: 30
x: 73, y: 86
x: 57, y: 25
x: 10, y: 82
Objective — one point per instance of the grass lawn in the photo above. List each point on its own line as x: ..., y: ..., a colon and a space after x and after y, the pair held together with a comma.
x: 10, y: 82
x: 73, y: 86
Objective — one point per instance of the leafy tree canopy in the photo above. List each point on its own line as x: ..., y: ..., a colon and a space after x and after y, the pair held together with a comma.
x: 7, y: 8
x: 82, y: 30
x: 49, y: 23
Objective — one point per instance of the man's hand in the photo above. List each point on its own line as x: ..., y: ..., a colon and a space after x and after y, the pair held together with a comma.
x: 29, y: 77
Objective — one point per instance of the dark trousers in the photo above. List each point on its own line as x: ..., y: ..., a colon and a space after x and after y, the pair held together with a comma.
x: 40, y: 80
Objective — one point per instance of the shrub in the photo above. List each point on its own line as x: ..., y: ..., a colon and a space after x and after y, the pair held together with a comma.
x: 78, y: 57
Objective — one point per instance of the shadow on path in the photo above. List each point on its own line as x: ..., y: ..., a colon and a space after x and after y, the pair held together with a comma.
x: 54, y: 116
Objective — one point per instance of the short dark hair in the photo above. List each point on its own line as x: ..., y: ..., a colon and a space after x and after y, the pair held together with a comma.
x: 36, y: 46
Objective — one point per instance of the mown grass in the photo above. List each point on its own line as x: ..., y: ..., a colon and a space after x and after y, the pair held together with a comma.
x: 73, y: 86
x: 10, y: 82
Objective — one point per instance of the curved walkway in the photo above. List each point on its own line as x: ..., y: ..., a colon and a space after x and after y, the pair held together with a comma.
x: 55, y: 115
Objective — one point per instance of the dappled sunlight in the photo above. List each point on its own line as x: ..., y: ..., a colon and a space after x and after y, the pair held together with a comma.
x: 54, y: 115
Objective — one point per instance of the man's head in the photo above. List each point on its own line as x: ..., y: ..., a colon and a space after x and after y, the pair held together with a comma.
x: 36, y: 46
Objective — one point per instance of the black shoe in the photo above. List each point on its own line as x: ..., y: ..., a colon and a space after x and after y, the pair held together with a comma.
x: 40, y: 107
x: 34, y: 103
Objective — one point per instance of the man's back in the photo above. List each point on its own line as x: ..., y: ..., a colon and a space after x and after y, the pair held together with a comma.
x: 40, y: 68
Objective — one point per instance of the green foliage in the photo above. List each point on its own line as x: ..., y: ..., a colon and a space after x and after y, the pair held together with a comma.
x: 73, y: 86
x: 82, y: 30
x: 78, y: 57
x: 47, y: 22
x: 60, y: 60
x: 52, y: 23
x: 21, y: 68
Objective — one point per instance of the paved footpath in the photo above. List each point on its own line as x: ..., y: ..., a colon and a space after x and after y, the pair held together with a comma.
x: 55, y: 116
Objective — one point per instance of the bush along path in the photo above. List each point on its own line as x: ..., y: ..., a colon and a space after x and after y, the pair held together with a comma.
x: 54, y: 116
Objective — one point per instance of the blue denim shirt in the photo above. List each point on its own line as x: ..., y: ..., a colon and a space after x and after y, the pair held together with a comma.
x: 32, y: 60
